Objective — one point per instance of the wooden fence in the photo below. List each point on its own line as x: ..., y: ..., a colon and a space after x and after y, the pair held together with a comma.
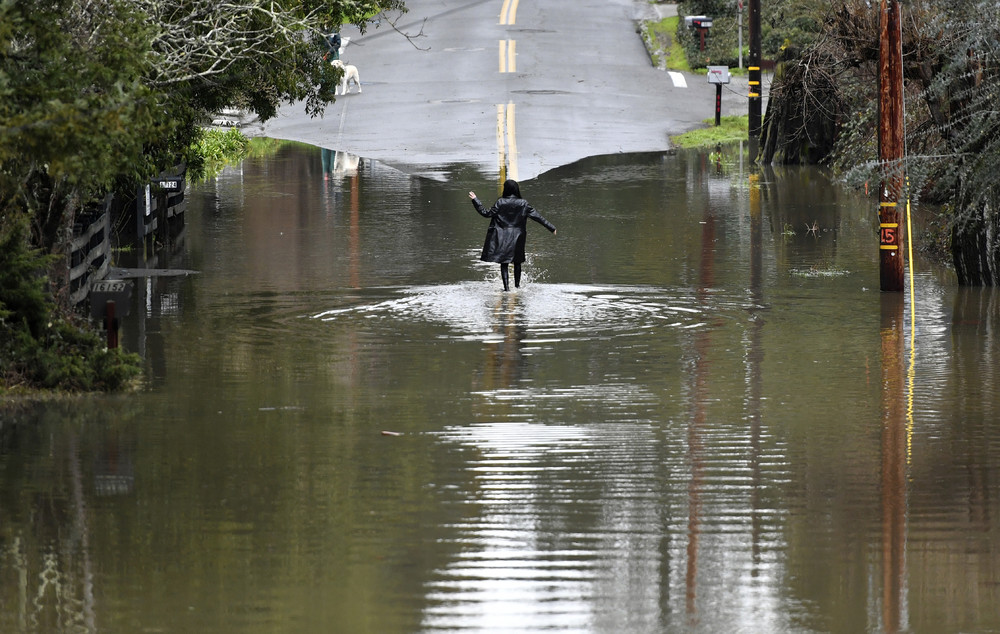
x: 89, y: 250
x: 159, y: 218
x: 161, y: 205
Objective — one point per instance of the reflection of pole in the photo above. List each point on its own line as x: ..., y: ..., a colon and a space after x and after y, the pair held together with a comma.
x: 890, y: 146
x: 83, y: 530
x: 702, y: 343
x: 893, y: 473
x: 754, y: 77
x: 755, y: 358
x: 354, y: 236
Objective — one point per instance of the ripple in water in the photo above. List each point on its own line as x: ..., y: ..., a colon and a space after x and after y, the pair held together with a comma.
x: 547, y: 311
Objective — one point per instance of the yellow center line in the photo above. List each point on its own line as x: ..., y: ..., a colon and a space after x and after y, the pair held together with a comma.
x: 508, y: 12
x: 511, y: 143
x: 501, y: 147
x: 506, y: 141
x: 508, y: 56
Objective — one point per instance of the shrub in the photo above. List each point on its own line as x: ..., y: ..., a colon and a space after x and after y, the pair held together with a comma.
x: 40, y: 349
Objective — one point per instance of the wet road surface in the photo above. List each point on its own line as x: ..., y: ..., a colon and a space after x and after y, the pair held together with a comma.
x: 529, y: 86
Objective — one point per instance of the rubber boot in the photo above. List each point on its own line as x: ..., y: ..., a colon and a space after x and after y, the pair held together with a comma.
x: 505, y: 276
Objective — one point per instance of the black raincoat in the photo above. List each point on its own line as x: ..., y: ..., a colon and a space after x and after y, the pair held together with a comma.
x: 508, y: 229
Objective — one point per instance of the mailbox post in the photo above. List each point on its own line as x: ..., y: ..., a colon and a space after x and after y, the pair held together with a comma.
x: 109, y: 300
x: 718, y: 75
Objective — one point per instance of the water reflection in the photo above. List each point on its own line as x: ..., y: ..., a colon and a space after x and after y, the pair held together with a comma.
x: 697, y: 414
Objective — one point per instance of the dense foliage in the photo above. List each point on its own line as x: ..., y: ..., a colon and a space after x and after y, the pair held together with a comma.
x: 782, y: 23
x: 39, y: 348
x: 823, y: 106
x: 100, y: 95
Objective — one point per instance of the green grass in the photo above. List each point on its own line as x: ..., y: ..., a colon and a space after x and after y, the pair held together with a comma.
x: 660, y: 40
x: 730, y: 129
x: 676, y: 58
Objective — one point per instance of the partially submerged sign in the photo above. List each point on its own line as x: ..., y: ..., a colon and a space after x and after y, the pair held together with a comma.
x: 104, y: 291
x: 110, y: 286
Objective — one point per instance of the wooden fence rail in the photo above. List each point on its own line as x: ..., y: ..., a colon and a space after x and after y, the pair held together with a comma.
x: 90, y: 250
x: 159, y: 217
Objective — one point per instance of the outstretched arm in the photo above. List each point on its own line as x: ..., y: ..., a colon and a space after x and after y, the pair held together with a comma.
x: 537, y: 217
x: 478, y: 205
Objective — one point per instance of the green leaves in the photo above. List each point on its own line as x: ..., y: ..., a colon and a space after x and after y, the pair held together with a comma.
x: 99, y: 93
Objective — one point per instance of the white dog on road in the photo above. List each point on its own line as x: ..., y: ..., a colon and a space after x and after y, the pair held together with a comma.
x: 350, y: 74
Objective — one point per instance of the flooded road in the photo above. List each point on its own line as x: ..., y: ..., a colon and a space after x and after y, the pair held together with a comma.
x: 698, y: 414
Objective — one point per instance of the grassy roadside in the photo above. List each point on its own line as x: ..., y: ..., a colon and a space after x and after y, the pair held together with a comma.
x: 731, y: 129
x: 665, y: 51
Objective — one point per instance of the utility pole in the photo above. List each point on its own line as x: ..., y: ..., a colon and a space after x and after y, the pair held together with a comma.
x: 890, y: 146
x: 739, y: 29
x: 753, y: 67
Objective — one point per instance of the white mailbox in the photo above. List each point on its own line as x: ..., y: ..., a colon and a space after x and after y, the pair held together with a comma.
x: 718, y: 74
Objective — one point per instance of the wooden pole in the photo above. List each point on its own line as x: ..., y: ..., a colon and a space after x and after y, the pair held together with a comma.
x: 753, y: 68
x: 890, y: 146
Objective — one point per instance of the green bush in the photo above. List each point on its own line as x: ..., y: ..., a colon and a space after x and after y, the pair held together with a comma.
x: 215, y: 149
x: 40, y: 349
x: 23, y: 301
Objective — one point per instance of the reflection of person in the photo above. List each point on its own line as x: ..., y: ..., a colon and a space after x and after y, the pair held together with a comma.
x: 508, y: 230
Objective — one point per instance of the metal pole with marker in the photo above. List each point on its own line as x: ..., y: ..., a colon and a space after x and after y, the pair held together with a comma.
x: 718, y: 75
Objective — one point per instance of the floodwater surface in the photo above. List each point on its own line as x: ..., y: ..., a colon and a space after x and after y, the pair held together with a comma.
x: 697, y: 414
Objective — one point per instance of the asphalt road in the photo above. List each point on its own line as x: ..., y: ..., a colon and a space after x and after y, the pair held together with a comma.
x: 526, y: 84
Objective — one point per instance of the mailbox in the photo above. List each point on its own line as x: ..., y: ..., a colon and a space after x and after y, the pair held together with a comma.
x: 104, y: 291
x: 718, y: 74
x: 698, y: 22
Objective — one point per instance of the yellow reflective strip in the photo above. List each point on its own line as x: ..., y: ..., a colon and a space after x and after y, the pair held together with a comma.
x: 888, y: 247
x: 753, y: 67
x: 888, y: 224
x: 887, y: 204
x: 755, y: 83
x: 754, y: 94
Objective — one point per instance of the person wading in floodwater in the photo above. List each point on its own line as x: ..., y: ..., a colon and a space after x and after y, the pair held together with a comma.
x: 508, y: 230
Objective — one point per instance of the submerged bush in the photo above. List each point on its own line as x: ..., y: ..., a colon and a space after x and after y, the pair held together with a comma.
x: 39, y: 348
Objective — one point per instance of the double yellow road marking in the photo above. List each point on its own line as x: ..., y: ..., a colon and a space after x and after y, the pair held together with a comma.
x: 508, y: 12
x: 506, y: 141
x: 508, y: 56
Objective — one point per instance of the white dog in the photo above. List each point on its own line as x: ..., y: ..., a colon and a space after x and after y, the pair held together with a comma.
x: 350, y: 74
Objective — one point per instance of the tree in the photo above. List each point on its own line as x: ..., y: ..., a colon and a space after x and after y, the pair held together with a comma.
x: 952, y: 73
x: 99, y: 93
x: 962, y: 96
x: 74, y: 112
